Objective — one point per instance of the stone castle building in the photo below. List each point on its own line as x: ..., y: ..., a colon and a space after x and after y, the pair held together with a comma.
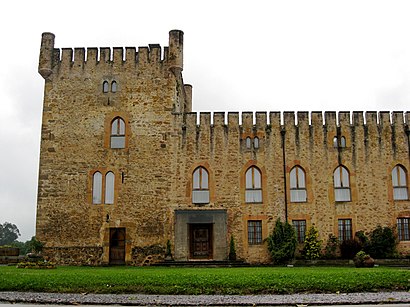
x: 126, y: 165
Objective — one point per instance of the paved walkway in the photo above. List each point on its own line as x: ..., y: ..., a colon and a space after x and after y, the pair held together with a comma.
x: 207, y: 300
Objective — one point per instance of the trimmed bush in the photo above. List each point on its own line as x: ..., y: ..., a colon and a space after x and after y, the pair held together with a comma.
x: 331, y: 247
x: 313, y: 245
x: 382, y: 243
x: 349, y: 248
x: 363, y: 260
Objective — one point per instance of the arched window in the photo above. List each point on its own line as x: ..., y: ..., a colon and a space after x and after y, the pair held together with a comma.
x: 103, y: 188
x: 335, y: 142
x: 200, y: 186
x: 343, y: 142
x: 248, y: 142
x: 105, y: 87
x: 109, y: 188
x: 114, y: 86
x: 341, y: 184
x: 253, y: 185
x: 118, y: 133
x: 256, y: 142
x: 97, y: 188
x: 297, y: 185
x: 399, y: 180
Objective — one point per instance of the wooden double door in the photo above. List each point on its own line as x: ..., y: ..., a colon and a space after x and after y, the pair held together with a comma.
x: 117, y: 246
x: 200, y: 237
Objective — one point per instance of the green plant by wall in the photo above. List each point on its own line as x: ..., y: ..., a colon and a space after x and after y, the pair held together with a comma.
x: 382, y: 243
x: 362, y: 260
x: 312, y: 245
x: 349, y: 248
x: 331, y: 247
x: 232, y: 249
x: 282, y: 242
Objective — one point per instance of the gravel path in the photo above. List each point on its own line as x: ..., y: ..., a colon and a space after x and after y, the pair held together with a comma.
x: 206, y: 300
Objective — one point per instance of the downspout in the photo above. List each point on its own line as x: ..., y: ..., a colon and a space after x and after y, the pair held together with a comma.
x: 282, y: 133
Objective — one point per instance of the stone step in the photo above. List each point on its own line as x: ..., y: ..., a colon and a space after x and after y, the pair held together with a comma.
x: 202, y: 263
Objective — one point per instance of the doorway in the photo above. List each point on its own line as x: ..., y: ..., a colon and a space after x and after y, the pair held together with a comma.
x: 117, y: 246
x: 200, y: 241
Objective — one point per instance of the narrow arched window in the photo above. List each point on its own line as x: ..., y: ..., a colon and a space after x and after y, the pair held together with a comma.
x: 253, y: 185
x: 297, y: 185
x: 342, y: 142
x: 97, y: 188
x: 109, y: 188
x: 118, y: 133
x: 335, y: 142
x: 399, y: 180
x: 114, y: 86
x: 256, y: 142
x: 248, y: 142
x: 341, y: 184
x: 200, y: 186
x: 105, y: 87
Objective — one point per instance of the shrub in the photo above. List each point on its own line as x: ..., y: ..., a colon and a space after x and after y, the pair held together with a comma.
x: 382, y: 243
x: 362, y: 260
x: 313, y: 245
x: 282, y: 242
x: 331, y: 247
x: 232, y: 249
x: 349, y: 248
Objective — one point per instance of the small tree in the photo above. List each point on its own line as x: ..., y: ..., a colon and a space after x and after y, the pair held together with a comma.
x: 282, y: 242
x: 232, y: 249
x: 313, y: 245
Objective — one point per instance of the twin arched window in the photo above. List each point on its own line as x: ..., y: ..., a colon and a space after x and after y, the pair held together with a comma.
x: 117, y: 138
x: 341, y: 184
x: 297, y: 185
x: 248, y: 142
x: 399, y: 180
x: 253, y: 185
x: 200, y: 186
x: 339, y: 142
x: 106, y: 87
x: 103, y: 188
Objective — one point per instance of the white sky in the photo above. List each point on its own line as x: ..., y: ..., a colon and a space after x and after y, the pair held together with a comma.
x: 239, y: 56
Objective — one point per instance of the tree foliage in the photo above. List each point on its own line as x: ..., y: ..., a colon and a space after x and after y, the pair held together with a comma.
x: 313, y: 246
x: 282, y: 242
x: 8, y: 233
x: 382, y: 243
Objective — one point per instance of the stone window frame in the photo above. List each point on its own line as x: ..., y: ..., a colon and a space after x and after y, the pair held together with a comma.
x: 339, y: 142
x: 298, y: 168
x: 255, y: 234
x: 403, y: 228
x: 119, y: 122
x: 252, y: 141
x: 300, y: 226
x: 109, y: 119
x: 250, y: 186
x: 104, y: 172
x: 202, y: 187
x: 110, y: 85
x: 190, y: 182
x: 399, y: 182
x: 344, y: 228
x: 342, y: 182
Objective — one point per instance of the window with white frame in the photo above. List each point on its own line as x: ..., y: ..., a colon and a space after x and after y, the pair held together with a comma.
x: 253, y: 185
x: 403, y: 228
x: 254, y: 232
x: 341, y: 184
x: 297, y: 185
x: 103, y: 188
x: 399, y: 180
x: 200, y: 186
x: 117, y: 133
x: 345, y: 229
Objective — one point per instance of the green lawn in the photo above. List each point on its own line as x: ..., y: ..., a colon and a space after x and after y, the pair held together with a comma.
x: 157, y: 280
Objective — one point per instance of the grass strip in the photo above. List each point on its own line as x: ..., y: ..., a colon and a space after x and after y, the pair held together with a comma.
x: 249, y: 280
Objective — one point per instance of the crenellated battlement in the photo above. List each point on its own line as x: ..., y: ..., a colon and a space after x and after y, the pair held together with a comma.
x: 56, y: 60
x: 301, y: 119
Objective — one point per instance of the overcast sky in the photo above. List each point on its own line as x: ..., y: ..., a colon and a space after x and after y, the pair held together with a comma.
x: 238, y: 55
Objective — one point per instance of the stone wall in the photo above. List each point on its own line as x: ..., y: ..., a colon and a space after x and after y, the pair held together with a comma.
x: 165, y: 143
